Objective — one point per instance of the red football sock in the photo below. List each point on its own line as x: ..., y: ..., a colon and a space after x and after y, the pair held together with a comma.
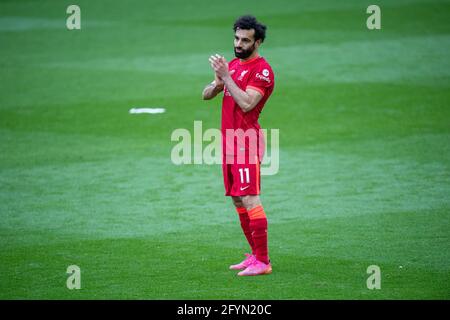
x: 258, y: 226
x: 245, y: 225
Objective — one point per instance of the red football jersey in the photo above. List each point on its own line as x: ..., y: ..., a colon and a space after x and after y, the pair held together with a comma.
x: 257, y: 75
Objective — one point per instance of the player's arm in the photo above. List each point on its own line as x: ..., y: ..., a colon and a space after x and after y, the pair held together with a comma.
x: 247, y: 99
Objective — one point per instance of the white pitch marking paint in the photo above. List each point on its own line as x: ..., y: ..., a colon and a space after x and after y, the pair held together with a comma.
x: 147, y: 110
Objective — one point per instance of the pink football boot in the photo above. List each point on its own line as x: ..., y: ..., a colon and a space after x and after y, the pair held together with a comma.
x: 244, y: 264
x: 256, y: 268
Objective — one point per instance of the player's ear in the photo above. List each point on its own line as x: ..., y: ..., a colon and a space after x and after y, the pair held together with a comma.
x: 257, y: 43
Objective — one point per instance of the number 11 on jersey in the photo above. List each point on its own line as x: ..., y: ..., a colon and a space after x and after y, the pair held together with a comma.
x: 247, y: 175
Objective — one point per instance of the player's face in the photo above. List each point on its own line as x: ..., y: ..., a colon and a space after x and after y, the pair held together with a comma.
x: 244, y: 43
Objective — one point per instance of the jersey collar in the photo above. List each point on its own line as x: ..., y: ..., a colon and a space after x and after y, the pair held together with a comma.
x: 248, y: 61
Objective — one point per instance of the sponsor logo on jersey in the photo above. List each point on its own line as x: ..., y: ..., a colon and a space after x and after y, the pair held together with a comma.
x: 262, y: 77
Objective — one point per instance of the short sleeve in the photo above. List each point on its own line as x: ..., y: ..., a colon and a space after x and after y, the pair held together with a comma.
x: 261, y: 79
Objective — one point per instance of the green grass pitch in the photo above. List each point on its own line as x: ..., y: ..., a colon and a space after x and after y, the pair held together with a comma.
x: 364, y: 179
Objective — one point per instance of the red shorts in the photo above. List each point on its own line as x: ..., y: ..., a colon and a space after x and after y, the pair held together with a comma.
x: 242, y: 179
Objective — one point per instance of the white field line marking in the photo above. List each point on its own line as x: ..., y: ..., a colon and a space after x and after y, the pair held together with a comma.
x: 147, y: 110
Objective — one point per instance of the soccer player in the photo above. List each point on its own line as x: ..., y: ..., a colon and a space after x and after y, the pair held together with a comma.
x: 247, y: 82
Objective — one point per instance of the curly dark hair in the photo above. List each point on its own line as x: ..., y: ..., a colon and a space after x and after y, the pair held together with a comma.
x: 248, y: 22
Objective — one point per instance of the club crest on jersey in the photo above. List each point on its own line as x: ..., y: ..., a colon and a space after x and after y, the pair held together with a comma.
x: 243, y: 73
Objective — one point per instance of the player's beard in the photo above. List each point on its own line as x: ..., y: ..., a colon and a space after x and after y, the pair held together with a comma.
x: 244, y: 54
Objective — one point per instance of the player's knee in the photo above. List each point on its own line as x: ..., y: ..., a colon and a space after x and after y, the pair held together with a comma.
x: 250, y: 202
x: 237, y: 202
